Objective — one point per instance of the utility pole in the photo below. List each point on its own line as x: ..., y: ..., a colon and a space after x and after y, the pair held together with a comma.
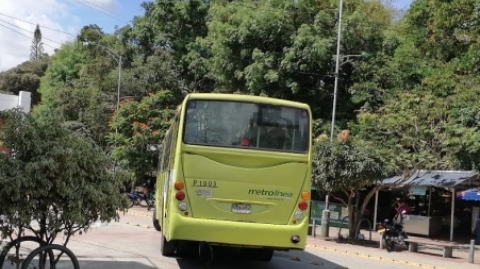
x: 118, y: 59
x: 325, y: 227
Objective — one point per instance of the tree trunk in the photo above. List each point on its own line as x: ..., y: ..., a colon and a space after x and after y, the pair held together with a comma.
x: 42, y: 260
x: 351, y: 217
x: 367, y: 199
x: 355, y: 211
x: 354, y: 215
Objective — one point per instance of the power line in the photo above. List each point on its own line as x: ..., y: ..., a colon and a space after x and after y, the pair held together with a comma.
x: 113, y: 13
x: 53, y: 29
x: 29, y: 37
x: 101, y: 11
x: 29, y: 31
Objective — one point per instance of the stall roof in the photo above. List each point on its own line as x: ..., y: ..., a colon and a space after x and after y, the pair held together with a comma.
x: 451, y: 179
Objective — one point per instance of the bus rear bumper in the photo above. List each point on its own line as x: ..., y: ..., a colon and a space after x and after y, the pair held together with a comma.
x: 281, y: 237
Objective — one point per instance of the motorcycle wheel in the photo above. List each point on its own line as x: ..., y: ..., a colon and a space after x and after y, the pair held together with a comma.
x: 388, y: 243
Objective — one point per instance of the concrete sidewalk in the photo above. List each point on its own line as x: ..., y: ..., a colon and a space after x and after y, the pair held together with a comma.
x: 426, y: 257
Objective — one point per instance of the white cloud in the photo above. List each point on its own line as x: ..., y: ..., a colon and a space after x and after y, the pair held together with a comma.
x: 15, y: 42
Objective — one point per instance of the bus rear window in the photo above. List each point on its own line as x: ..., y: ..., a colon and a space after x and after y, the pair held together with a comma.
x: 246, y: 125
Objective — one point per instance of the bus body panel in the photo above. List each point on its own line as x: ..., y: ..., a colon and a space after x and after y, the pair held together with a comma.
x: 238, y: 234
x: 270, y: 190
x: 216, y: 177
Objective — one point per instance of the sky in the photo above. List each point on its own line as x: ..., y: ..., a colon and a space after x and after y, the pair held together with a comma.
x: 61, y: 20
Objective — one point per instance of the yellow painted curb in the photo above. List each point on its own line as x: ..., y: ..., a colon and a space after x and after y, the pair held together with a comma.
x: 138, y: 214
x: 383, y: 259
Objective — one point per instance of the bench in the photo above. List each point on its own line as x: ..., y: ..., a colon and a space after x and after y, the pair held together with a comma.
x: 447, y: 247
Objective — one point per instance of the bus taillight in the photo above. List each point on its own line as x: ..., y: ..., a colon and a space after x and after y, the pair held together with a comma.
x: 179, y: 185
x: 305, y: 195
x: 180, y: 195
x: 302, y: 205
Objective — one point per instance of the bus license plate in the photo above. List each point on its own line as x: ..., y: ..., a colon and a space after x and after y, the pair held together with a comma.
x: 241, y: 208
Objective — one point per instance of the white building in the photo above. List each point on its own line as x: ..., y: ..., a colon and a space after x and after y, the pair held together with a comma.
x: 10, y: 101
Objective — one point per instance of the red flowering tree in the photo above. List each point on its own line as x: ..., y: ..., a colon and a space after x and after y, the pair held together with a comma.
x: 141, y: 125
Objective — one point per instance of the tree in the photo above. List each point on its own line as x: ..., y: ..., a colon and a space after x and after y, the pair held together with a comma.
x: 286, y: 49
x: 36, y: 50
x: 25, y: 77
x: 55, y: 177
x: 419, y: 131
x: 68, y: 88
x: 141, y: 125
x: 347, y: 166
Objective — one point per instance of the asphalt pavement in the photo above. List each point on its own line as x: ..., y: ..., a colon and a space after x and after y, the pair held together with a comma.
x: 132, y: 243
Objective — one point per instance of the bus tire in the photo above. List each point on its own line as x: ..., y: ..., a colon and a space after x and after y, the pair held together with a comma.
x: 156, y: 223
x: 265, y: 255
x: 257, y: 254
x: 167, y: 248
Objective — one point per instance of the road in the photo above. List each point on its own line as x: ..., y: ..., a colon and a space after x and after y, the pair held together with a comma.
x: 129, y: 244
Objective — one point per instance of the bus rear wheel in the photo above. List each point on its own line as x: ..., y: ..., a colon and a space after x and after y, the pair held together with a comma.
x: 167, y: 248
x: 156, y: 223
x: 265, y: 255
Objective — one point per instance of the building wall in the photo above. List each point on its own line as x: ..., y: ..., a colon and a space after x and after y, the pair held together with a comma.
x: 10, y: 101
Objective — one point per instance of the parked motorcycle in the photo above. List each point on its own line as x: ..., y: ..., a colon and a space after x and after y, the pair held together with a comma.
x: 392, y: 233
x: 133, y: 198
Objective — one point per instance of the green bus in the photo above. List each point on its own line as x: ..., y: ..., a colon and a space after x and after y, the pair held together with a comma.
x: 235, y: 171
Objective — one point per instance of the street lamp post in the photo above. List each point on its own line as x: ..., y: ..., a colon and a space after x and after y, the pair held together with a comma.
x: 118, y: 59
x: 324, y: 232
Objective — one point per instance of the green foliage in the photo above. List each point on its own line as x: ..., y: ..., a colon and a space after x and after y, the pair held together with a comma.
x: 415, y: 98
x: 140, y: 125
x: 56, y: 177
x: 416, y: 131
x: 24, y: 77
x: 285, y: 49
x: 346, y: 166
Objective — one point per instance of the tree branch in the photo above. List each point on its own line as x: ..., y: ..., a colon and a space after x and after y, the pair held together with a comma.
x: 341, y: 200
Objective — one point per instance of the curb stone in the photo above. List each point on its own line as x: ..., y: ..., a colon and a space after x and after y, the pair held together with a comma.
x: 383, y: 259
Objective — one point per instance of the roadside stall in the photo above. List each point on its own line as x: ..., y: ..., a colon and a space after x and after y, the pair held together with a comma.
x: 426, y: 219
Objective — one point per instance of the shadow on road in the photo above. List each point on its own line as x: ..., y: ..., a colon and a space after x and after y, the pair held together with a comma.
x: 86, y: 264
x: 281, y: 260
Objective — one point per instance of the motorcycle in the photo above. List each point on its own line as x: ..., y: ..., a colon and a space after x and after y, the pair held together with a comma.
x: 393, y: 234
x: 134, y: 198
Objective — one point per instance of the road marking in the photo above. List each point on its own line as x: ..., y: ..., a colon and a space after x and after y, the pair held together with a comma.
x: 372, y: 257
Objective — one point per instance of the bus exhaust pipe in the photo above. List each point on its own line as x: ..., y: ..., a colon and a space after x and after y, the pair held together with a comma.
x: 205, y: 252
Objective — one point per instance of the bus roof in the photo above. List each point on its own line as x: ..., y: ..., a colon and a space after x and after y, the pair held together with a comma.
x: 246, y: 98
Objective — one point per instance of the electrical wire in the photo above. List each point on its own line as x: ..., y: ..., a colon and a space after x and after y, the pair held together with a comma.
x: 101, y: 11
x: 29, y: 37
x: 51, y: 40
x: 46, y: 27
